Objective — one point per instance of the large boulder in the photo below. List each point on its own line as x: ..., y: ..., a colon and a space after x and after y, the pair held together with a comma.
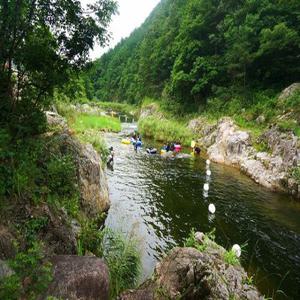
x: 187, y: 273
x: 92, y: 181
x: 231, y: 144
x: 5, y: 270
x: 79, y: 277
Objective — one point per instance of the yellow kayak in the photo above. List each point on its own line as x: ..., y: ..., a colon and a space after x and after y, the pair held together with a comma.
x: 162, y: 151
x: 125, y: 141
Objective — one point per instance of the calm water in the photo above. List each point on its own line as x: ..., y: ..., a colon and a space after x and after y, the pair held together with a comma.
x: 158, y: 201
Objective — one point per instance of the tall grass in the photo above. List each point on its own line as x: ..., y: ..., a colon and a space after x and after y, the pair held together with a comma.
x: 105, y: 123
x: 165, y: 130
x: 123, y: 260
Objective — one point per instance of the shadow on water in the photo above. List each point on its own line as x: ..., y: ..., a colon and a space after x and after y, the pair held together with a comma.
x: 158, y: 201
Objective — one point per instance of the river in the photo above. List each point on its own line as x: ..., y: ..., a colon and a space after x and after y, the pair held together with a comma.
x: 158, y: 201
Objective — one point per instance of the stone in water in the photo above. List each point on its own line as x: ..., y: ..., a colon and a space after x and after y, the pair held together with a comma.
x: 237, y: 250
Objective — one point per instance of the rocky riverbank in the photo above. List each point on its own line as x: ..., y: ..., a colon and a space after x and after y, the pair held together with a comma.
x: 199, y: 272
x: 226, y: 143
x: 272, y: 159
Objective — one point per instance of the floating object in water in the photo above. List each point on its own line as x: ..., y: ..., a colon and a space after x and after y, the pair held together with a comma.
x: 211, y: 208
x: 163, y: 151
x: 125, y: 141
x: 193, y: 144
x: 151, y: 150
x: 208, y: 172
x: 237, y: 250
x: 206, y: 187
x: 208, y: 162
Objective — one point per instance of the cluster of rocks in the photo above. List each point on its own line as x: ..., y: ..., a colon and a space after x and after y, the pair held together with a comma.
x: 227, y: 144
x: 272, y: 168
x: 187, y: 273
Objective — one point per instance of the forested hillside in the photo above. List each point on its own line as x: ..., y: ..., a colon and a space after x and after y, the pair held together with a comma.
x: 191, y: 50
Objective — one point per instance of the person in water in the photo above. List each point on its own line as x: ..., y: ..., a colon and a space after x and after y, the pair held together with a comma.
x: 138, y: 143
x: 110, y: 160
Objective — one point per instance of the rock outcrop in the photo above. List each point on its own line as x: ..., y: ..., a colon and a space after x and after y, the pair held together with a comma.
x: 227, y: 144
x: 79, y: 277
x: 92, y: 181
x: 187, y: 273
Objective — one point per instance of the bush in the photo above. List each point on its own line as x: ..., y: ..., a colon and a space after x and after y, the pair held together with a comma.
x: 32, y: 275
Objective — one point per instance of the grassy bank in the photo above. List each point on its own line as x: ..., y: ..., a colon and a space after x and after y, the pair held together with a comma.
x: 165, y: 130
x: 85, y: 122
x: 89, y: 128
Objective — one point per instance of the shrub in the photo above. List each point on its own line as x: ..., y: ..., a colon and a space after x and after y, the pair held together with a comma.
x: 32, y: 275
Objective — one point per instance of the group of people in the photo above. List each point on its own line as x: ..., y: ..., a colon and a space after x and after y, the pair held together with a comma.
x: 136, y: 141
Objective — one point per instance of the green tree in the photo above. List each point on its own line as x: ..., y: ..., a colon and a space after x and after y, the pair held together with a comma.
x: 40, y: 42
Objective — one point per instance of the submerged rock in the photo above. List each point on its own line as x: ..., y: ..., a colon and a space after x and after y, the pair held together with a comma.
x: 79, y: 277
x: 187, y: 273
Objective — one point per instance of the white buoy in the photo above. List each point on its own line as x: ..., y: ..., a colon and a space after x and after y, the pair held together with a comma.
x: 211, y: 208
x: 237, y: 250
x: 208, y: 162
x: 208, y: 172
x: 206, y: 187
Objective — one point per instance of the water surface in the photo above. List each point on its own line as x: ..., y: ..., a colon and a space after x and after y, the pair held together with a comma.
x: 158, y: 201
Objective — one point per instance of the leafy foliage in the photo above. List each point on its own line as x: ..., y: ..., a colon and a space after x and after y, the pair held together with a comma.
x: 42, y: 43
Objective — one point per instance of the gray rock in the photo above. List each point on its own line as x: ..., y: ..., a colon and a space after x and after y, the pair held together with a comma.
x: 187, y: 273
x: 79, y: 277
x: 92, y: 181
x: 289, y: 91
x: 54, y: 119
x: 260, y: 119
x: 5, y: 270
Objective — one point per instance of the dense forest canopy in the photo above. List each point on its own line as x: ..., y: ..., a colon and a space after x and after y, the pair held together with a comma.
x: 189, y: 50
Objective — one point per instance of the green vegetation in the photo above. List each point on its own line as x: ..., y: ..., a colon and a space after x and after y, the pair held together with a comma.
x: 191, y: 51
x: 209, y: 58
x: 117, y: 107
x: 123, y: 260
x: 231, y: 258
x: 208, y: 239
x: 85, y: 121
x: 32, y: 274
x: 164, y: 130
